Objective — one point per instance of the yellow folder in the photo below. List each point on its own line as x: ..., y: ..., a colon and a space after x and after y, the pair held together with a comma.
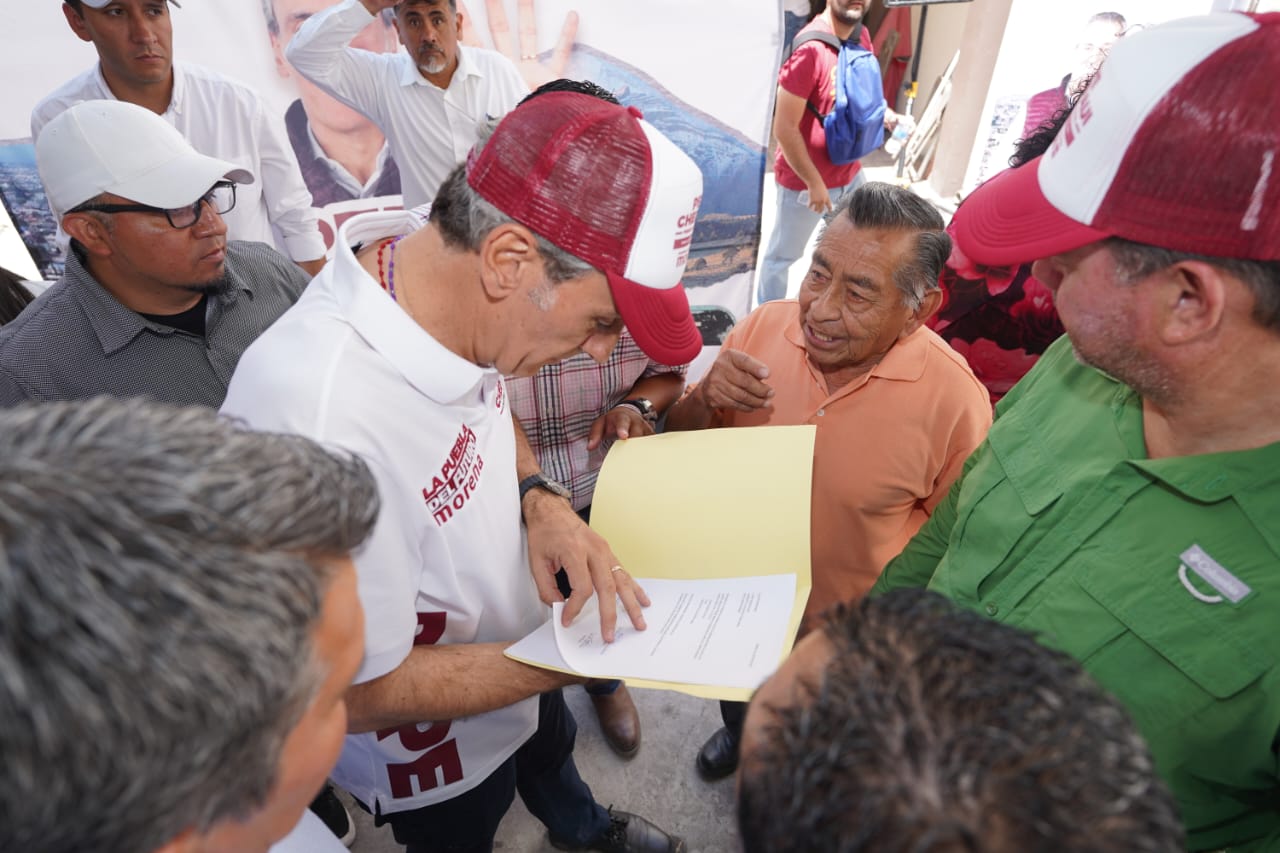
x: 716, y: 503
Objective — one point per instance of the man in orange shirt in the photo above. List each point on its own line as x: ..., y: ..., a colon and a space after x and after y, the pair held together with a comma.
x: 897, y: 409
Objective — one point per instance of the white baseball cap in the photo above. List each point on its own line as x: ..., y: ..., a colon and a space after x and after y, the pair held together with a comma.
x: 1174, y: 144
x: 121, y: 148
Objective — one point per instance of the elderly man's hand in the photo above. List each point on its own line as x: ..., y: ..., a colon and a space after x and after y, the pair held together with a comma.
x: 376, y: 6
x: 736, y: 381
x: 525, y: 57
x: 558, y: 539
x: 618, y: 422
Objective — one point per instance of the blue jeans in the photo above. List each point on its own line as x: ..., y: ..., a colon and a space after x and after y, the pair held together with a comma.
x: 792, y: 226
x: 542, y: 771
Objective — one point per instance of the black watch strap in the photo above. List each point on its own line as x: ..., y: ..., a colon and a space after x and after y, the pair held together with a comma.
x: 643, y: 406
x: 542, y: 481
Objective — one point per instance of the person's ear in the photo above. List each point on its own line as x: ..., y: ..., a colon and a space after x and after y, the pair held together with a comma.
x: 509, y: 261
x: 920, y: 315
x: 89, y: 231
x: 76, y: 21
x: 1190, y: 302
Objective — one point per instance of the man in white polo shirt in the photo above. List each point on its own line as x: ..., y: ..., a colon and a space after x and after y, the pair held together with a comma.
x: 571, y: 220
x: 429, y: 100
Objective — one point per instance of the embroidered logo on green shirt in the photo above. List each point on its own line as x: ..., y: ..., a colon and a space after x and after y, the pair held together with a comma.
x: 1209, y: 570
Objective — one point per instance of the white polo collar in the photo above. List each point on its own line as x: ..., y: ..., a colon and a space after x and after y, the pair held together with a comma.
x: 425, y: 363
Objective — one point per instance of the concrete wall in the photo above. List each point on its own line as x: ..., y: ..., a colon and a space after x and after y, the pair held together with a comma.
x: 976, y: 30
x: 943, y: 34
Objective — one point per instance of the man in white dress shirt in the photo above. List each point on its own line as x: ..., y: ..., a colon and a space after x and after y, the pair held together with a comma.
x: 218, y: 116
x: 428, y: 101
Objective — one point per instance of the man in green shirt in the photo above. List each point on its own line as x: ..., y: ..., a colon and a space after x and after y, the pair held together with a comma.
x: 1126, y: 504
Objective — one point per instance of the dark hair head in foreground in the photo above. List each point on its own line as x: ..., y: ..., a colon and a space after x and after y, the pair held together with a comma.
x: 908, y: 725
x: 162, y: 573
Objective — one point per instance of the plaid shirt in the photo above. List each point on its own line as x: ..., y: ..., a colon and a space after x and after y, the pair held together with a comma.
x: 557, y: 405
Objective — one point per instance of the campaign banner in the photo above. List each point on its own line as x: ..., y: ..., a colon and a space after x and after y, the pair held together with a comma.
x: 1048, y: 53
x: 703, y: 77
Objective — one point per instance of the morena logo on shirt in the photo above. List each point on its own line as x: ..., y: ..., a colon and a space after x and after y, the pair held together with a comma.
x: 459, y: 475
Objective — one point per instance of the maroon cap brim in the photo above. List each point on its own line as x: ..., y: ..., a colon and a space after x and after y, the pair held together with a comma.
x: 1008, y: 220
x: 658, y: 319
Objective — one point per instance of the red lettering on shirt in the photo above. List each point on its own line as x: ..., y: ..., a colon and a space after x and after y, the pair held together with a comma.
x: 427, y: 738
x: 459, y: 475
x: 684, y: 232
x: 445, y: 758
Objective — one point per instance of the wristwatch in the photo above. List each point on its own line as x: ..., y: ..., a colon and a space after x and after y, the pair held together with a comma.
x: 542, y: 481
x: 643, y: 406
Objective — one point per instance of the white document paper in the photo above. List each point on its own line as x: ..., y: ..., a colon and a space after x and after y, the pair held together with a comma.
x: 725, y: 631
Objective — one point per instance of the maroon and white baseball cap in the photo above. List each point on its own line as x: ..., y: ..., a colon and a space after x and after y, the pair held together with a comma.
x: 1174, y: 145
x: 599, y: 182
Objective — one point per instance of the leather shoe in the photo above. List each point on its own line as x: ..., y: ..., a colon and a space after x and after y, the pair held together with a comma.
x: 630, y: 833
x: 718, y: 757
x: 619, y: 720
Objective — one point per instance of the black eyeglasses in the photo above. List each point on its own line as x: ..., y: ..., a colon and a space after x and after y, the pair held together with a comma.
x: 221, y: 197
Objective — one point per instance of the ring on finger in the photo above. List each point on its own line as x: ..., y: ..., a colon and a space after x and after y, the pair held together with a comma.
x: 616, y: 569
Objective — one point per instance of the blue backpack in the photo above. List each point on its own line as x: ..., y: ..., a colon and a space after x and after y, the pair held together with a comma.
x: 855, y: 127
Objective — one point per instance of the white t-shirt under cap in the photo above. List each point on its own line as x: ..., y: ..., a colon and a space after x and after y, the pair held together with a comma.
x: 447, y: 562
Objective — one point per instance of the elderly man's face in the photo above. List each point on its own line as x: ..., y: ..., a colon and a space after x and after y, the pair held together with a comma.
x: 134, y: 39
x: 851, y: 311
x: 429, y: 31
x: 312, y: 747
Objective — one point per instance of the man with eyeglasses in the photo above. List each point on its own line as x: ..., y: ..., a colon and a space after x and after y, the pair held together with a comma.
x: 221, y: 117
x: 156, y: 301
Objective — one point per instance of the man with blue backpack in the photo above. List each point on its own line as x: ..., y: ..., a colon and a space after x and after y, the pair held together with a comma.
x: 830, y: 111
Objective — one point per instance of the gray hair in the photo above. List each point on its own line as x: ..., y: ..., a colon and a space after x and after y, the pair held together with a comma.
x: 465, y: 219
x: 161, y: 574
x: 881, y: 205
x: 1136, y: 261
